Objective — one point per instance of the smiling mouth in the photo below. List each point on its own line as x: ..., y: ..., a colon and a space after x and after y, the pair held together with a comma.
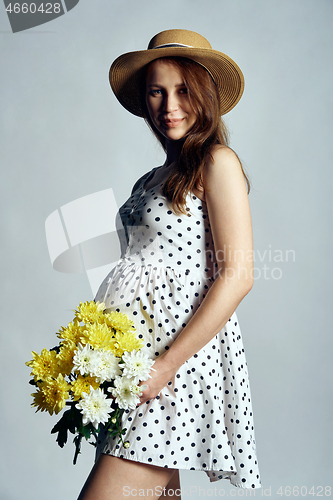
x: 171, y: 123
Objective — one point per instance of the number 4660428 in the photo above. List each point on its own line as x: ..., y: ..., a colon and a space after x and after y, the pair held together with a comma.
x: 32, y: 8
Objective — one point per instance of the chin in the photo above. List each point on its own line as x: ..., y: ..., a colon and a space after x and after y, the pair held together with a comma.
x: 175, y: 138
x: 175, y: 135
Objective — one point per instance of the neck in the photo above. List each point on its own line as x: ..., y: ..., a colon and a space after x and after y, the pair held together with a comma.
x: 173, y: 149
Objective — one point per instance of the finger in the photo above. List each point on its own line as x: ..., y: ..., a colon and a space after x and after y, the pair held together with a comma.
x: 143, y: 387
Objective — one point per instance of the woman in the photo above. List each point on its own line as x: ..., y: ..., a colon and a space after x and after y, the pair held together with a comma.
x: 186, y: 240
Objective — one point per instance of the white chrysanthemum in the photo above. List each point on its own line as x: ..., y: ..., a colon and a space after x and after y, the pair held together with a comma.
x: 95, y: 408
x: 126, y: 393
x: 85, y: 360
x: 107, y: 367
x: 137, y: 365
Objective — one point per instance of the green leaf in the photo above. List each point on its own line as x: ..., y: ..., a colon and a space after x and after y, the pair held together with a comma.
x: 76, y: 418
x: 61, y: 428
x: 85, y: 430
x: 70, y: 421
x: 113, y: 433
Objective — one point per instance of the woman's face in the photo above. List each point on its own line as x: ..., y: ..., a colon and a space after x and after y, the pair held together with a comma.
x: 167, y: 100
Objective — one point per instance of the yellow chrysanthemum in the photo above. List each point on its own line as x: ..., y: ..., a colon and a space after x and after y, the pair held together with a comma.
x: 52, y: 395
x: 83, y: 384
x: 44, y: 365
x: 117, y: 321
x: 72, y: 332
x: 65, y: 357
x: 39, y: 401
x: 126, y: 342
x: 89, y: 312
x: 99, y: 336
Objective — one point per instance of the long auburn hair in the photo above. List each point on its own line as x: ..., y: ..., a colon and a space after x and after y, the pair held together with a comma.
x: 209, y: 130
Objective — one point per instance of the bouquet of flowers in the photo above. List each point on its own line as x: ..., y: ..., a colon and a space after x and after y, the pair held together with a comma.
x: 95, y: 370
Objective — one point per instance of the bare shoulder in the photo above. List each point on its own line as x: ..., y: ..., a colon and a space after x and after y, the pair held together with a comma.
x: 222, y: 158
x: 223, y: 171
x: 222, y: 152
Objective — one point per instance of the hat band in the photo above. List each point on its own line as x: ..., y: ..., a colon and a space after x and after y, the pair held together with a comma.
x: 172, y: 45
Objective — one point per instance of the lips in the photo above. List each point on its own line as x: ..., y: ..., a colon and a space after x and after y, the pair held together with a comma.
x: 172, y: 122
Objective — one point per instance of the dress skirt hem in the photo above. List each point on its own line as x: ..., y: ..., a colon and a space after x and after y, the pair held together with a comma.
x: 214, y: 474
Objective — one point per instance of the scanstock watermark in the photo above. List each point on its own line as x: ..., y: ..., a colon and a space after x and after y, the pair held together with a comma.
x: 24, y: 15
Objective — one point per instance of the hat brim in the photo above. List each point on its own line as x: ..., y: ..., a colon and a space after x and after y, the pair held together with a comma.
x: 126, y: 70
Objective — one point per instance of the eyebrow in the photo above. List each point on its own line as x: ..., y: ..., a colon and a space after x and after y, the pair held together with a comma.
x: 159, y: 85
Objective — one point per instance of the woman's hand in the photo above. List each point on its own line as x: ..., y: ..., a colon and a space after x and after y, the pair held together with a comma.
x: 161, y: 373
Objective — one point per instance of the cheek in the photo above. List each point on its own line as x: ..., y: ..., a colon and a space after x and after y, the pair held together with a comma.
x: 150, y: 106
x: 194, y: 117
x: 191, y: 113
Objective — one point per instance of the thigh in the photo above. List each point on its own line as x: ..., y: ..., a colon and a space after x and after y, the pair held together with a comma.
x: 172, y: 489
x: 114, y: 478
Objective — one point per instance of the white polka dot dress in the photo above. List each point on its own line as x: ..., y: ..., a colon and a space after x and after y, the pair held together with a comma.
x: 202, y: 420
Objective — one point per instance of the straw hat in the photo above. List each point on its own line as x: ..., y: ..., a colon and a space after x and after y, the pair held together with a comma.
x: 126, y: 70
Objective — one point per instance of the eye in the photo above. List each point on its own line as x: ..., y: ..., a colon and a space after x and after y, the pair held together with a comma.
x: 183, y: 90
x: 155, y: 92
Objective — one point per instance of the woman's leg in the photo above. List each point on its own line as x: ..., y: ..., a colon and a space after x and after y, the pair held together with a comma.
x: 172, y: 490
x: 114, y: 478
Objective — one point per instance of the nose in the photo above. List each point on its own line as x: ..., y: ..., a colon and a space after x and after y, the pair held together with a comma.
x: 170, y: 103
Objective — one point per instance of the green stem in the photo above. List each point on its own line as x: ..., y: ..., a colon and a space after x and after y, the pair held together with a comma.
x: 77, y: 441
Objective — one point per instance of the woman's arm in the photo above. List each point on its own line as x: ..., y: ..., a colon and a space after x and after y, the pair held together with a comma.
x: 230, y: 220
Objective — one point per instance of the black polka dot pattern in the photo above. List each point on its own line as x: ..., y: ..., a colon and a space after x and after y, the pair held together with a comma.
x: 202, y: 420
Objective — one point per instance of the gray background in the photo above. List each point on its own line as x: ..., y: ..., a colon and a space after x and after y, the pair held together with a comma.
x: 64, y: 135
